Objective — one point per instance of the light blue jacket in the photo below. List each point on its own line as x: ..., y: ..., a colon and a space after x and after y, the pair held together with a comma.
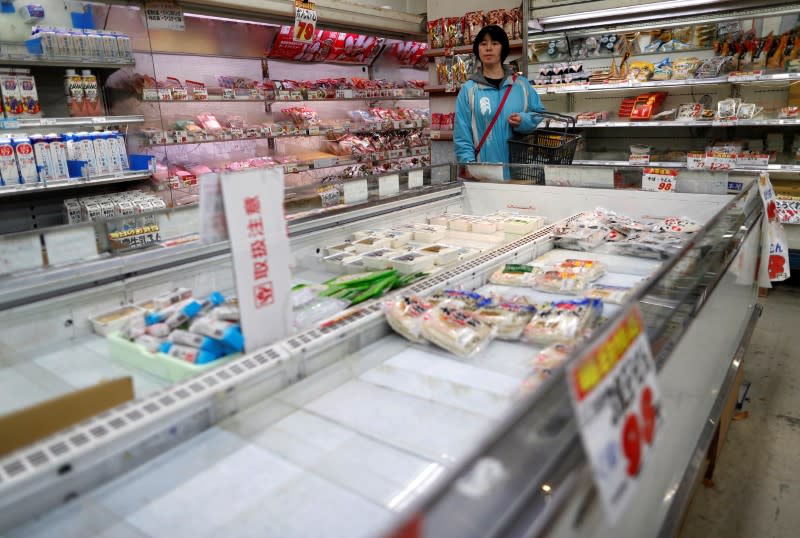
x: 476, y: 106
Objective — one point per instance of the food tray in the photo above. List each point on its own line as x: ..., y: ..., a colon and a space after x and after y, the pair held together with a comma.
x: 158, y: 364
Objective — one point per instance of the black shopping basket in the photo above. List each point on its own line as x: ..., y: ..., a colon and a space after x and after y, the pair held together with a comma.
x: 543, y: 146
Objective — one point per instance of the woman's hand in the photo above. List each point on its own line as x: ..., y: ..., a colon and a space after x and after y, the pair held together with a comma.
x: 514, y: 120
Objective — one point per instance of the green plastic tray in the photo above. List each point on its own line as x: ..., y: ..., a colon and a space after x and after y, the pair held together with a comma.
x: 158, y: 364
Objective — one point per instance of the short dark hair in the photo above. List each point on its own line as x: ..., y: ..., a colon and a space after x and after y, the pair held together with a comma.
x: 497, y: 34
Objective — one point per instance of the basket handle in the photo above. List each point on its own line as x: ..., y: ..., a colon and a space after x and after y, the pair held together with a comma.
x: 560, y: 117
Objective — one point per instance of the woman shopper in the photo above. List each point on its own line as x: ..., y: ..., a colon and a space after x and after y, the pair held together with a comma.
x: 492, y: 106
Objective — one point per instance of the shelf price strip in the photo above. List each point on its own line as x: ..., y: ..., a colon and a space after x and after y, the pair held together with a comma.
x: 305, y: 21
x: 618, y: 408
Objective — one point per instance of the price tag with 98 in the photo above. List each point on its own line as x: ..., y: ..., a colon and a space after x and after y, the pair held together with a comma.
x: 618, y: 407
x: 659, y: 179
x: 305, y: 21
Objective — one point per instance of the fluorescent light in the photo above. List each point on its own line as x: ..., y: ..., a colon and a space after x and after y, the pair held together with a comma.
x: 647, y: 8
x: 227, y: 19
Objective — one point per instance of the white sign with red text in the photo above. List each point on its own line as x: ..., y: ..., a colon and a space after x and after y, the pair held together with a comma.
x: 260, y: 247
x: 618, y: 408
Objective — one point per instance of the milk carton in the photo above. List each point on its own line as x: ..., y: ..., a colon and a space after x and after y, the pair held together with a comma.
x: 44, y: 159
x: 58, y: 157
x: 8, y: 163
x: 26, y: 161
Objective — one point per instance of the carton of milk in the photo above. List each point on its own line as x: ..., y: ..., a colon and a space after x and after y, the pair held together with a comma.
x: 8, y: 163
x: 58, y: 157
x: 26, y: 160
x: 44, y: 159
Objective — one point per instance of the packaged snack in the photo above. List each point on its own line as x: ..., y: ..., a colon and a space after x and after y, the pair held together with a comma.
x: 562, y: 321
x: 508, y: 319
x: 514, y: 275
x: 455, y: 329
x: 405, y: 316
x: 436, y: 34
x: 608, y: 294
x: 560, y: 282
x: 453, y: 31
x: 473, y: 23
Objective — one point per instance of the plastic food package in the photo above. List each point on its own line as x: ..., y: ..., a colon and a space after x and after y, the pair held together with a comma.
x: 455, y: 329
x: 436, y: 34
x: 608, y: 294
x: 514, y: 275
x: 589, y: 269
x: 508, y: 319
x: 453, y: 31
x: 473, y: 23
x: 649, y: 245
x: 413, y: 262
x: 560, y: 282
x: 580, y: 238
x: 551, y: 358
x: 562, y: 321
x: 468, y: 300
x: 319, y: 309
x: 405, y: 316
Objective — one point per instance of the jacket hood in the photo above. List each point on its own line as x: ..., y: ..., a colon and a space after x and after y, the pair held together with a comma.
x: 480, y: 79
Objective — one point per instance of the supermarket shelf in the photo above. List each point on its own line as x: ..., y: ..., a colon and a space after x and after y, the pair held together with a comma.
x: 659, y: 84
x: 795, y: 168
x: 321, y: 133
x: 516, y: 46
x: 441, y: 135
x: 442, y: 90
x: 767, y: 122
x: 16, y: 190
x: 621, y: 86
x: 289, y: 101
x: 333, y: 162
x: 36, y: 123
x: 85, y: 63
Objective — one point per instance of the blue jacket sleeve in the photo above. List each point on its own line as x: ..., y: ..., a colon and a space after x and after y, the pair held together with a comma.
x: 462, y: 130
x: 531, y: 119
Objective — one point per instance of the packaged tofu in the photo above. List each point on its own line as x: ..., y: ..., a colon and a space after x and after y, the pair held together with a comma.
x: 405, y: 316
x: 560, y: 282
x: 508, y: 319
x: 455, y: 329
x: 562, y: 321
x: 514, y: 274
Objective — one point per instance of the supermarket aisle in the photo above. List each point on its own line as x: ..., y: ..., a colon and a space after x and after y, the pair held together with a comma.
x: 757, y: 480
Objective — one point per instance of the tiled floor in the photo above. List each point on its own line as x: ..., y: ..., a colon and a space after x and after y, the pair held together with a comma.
x: 756, y: 488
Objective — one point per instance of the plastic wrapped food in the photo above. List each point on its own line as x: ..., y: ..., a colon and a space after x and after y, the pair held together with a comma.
x: 589, y: 269
x: 405, y: 315
x: 579, y: 238
x: 659, y: 246
x: 551, y: 358
x: 466, y: 299
x: 514, y: 275
x: 508, y: 319
x: 560, y: 282
x: 608, y: 294
x: 562, y: 321
x: 455, y: 329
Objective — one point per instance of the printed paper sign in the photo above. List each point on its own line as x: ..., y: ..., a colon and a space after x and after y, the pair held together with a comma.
x: 788, y: 211
x: 20, y: 253
x: 305, y: 22
x: 70, y: 245
x: 261, y: 255
x: 212, y: 209
x: 164, y: 16
x: 774, y: 245
x: 415, y: 179
x: 388, y: 185
x: 356, y: 192
x: 659, y: 179
x: 618, y: 407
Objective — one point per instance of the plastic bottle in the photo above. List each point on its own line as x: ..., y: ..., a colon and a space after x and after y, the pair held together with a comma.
x: 73, y: 88
x: 91, y: 93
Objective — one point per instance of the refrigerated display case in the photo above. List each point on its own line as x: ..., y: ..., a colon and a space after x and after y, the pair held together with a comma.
x: 347, y: 428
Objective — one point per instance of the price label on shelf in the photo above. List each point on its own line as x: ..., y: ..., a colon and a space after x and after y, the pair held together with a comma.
x: 388, y: 185
x: 228, y: 94
x: 724, y: 123
x: 415, y: 179
x: 659, y: 179
x: 618, y: 408
x: 356, y: 192
x: 164, y: 16
x: 99, y: 121
x: 745, y: 76
x: 305, y: 21
x: 47, y: 121
x: 639, y: 160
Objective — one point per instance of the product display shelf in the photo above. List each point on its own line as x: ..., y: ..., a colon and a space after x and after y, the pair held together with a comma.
x: 792, y: 168
x: 628, y: 85
x: 320, y: 450
x: 756, y: 122
x: 125, y: 177
x: 515, y: 44
x: 69, y: 62
x: 441, y: 135
x: 16, y: 124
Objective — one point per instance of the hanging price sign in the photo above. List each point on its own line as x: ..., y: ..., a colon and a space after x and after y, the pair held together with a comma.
x: 305, y: 21
x: 659, y: 179
x: 618, y: 408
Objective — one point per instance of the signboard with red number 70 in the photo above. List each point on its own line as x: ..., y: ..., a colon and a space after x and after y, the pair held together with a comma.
x: 305, y: 21
x: 618, y: 409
